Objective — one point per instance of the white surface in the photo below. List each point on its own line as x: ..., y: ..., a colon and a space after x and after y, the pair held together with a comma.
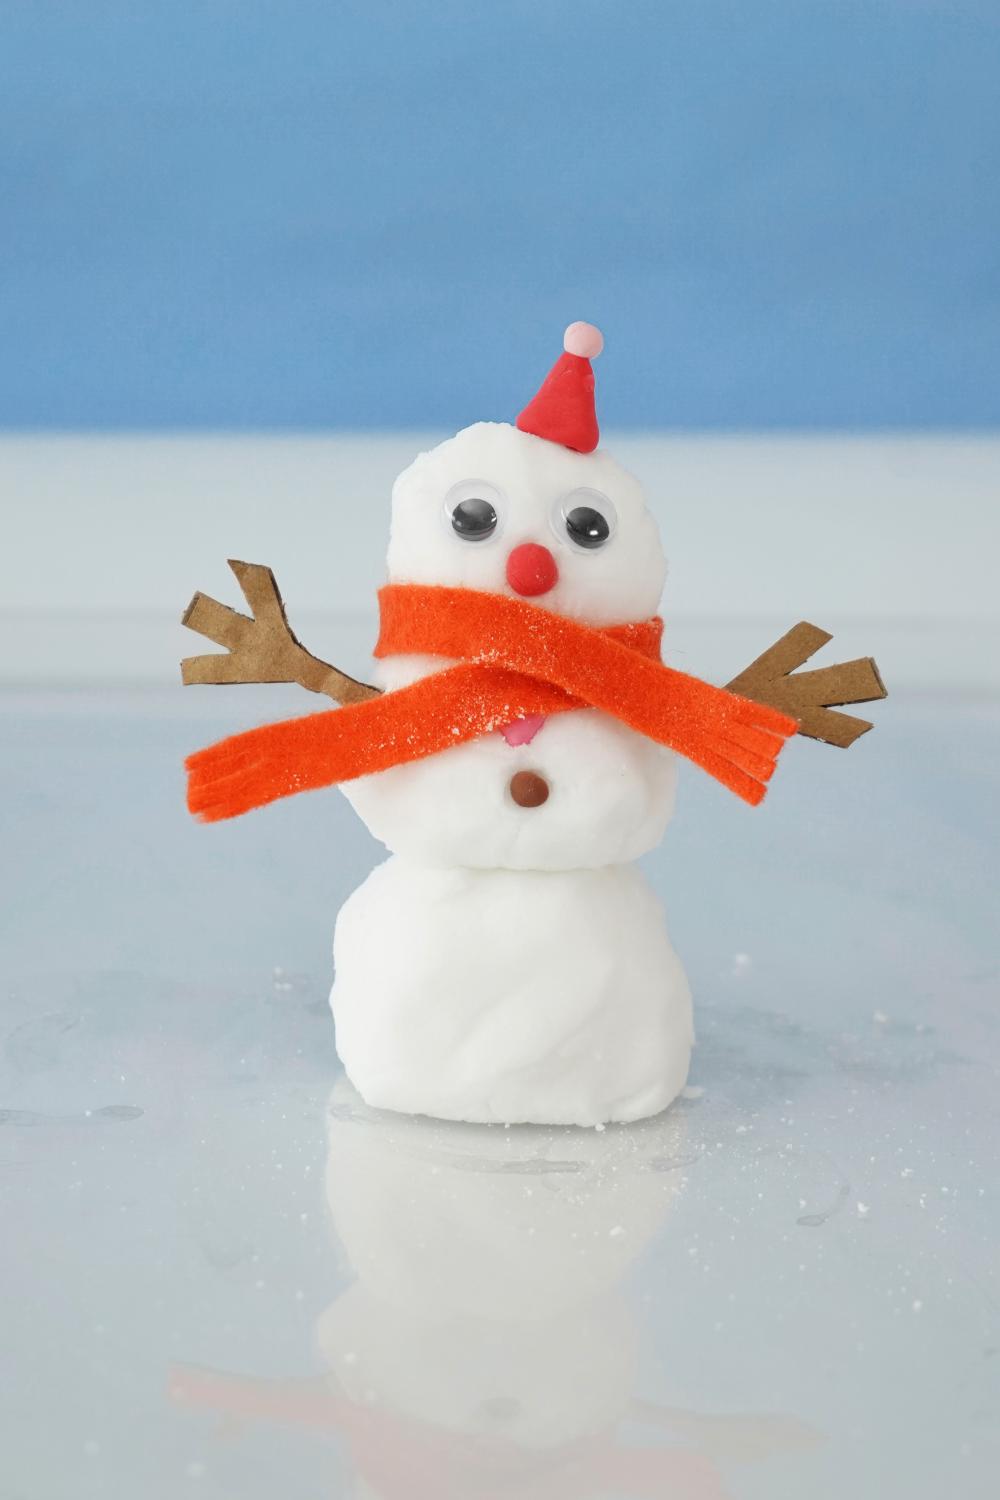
x: 890, y: 542
x: 894, y: 526
x: 898, y: 525
x: 510, y: 996
x: 816, y: 1312
x: 815, y: 1315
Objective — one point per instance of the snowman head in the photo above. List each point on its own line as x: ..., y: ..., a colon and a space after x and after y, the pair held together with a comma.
x: 532, y: 509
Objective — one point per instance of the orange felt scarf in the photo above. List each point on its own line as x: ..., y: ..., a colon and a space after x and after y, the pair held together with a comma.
x: 513, y: 660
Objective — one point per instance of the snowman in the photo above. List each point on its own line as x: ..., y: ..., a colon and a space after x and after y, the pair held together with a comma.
x: 516, y: 755
x: 530, y: 977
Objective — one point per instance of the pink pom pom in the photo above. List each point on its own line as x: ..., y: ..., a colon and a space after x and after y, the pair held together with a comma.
x: 583, y: 339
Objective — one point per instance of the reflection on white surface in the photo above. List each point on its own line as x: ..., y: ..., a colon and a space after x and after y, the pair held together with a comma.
x: 487, y: 1345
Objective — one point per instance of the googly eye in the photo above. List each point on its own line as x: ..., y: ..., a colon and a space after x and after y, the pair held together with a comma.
x: 473, y: 510
x: 586, y: 518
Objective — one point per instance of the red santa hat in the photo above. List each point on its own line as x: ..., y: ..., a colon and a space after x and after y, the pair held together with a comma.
x: 563, y: 410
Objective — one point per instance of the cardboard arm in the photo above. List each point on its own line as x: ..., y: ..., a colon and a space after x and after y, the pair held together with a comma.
x: 261, y: 647
x: 807, y: 696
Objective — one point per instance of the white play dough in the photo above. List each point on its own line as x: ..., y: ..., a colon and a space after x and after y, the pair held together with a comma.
x: 509, y: 996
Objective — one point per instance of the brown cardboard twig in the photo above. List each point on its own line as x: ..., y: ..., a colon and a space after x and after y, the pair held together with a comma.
x: 263, y: 648
x: 807, y: 696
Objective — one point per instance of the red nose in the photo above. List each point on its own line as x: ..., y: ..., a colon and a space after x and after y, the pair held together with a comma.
x: 531, y: 569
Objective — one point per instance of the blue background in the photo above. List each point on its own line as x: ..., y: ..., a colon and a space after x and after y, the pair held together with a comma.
x: 277, y: 213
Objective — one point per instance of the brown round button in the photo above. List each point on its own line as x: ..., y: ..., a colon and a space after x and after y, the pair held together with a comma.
x: 528, y: 789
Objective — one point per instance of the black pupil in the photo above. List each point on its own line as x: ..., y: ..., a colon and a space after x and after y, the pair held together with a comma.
x: 474, y: 519
x: 588, y: 528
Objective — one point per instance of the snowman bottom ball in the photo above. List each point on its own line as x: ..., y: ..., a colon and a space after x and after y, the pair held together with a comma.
x: 510, y: 996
